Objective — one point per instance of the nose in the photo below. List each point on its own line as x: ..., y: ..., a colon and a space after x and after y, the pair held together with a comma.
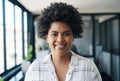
x: 60, y: 38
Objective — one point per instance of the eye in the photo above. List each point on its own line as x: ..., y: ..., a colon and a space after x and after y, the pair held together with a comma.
x: 54, y: 34
x: 67, y: 34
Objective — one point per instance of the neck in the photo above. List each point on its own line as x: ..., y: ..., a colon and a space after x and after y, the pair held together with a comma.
x: 61, y: 58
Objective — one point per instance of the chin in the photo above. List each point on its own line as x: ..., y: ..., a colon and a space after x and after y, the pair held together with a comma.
x: 62, y: 51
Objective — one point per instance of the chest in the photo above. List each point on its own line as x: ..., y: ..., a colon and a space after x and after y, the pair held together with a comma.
x: 61, y: 72
x: 70, y: 75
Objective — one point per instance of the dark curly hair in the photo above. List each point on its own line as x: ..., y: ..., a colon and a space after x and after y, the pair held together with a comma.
x: 60, y: 12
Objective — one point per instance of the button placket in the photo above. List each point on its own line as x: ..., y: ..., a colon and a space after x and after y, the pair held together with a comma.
x: 69, y: 75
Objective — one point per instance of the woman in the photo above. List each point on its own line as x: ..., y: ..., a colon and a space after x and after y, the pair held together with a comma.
x: 59, y: 24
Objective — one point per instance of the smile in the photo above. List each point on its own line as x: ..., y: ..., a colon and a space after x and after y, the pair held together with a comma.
x: 60, y: 46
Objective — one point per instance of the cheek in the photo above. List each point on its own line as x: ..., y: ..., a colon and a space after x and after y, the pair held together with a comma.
x: 70, y: 40
x: 50, y: 41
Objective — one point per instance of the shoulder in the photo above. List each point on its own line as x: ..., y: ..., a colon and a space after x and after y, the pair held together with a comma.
x: 34, y: 69
x: 37, y: 63
x: 83, y: 62
x: 90, y: 69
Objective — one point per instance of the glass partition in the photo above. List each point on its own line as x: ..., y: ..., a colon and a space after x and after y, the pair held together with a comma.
x: 18, y: 29
x: 25, y: 33
x: 10, y: 45
x: 1, y: 39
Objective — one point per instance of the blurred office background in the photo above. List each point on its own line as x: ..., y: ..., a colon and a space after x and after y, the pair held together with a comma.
x: 20, y: 44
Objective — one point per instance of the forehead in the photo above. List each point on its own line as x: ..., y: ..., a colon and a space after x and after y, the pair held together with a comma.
x: 59, y: 26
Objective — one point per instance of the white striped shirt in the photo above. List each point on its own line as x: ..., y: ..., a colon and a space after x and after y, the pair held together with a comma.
x: 80, y: 69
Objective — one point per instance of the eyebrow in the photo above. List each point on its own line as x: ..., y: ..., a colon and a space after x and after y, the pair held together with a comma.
x: 57, y: 32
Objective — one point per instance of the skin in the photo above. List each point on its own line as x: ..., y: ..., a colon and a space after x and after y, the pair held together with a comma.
x: 60, y: 38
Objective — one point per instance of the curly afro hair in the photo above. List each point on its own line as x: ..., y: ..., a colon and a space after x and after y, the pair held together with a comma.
x: 60, y: 12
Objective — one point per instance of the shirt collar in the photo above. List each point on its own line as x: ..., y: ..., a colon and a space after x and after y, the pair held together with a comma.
x: 74, y: 60
x: 73, y: 63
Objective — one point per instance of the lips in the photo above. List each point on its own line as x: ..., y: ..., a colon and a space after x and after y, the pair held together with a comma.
x: 60, y: 46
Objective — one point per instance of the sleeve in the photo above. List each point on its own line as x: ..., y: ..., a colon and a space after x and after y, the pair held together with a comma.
x: 33, y: 71
x: 28, y: 75
x: 94, y: 74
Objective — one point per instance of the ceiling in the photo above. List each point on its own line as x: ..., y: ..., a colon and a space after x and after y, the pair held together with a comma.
x: 84, y: 6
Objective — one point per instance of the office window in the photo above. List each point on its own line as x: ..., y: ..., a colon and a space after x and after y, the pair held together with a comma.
x: 10, y: 45
x: 103, y: 35
x: 18, y: 27
x: 1, y: 40
x: 17, y: 77
x: 25, y: 33
x: 108, y: 36
x: 115, y: 36
x: 115, y: 67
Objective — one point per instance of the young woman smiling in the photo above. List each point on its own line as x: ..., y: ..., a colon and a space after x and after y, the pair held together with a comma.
x: 59, y: 24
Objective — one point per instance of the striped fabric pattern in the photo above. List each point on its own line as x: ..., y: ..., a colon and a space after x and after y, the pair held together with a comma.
x: 80, y: 69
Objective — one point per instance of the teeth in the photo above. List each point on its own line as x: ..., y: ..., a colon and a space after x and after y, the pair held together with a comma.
x: 60, y: 45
